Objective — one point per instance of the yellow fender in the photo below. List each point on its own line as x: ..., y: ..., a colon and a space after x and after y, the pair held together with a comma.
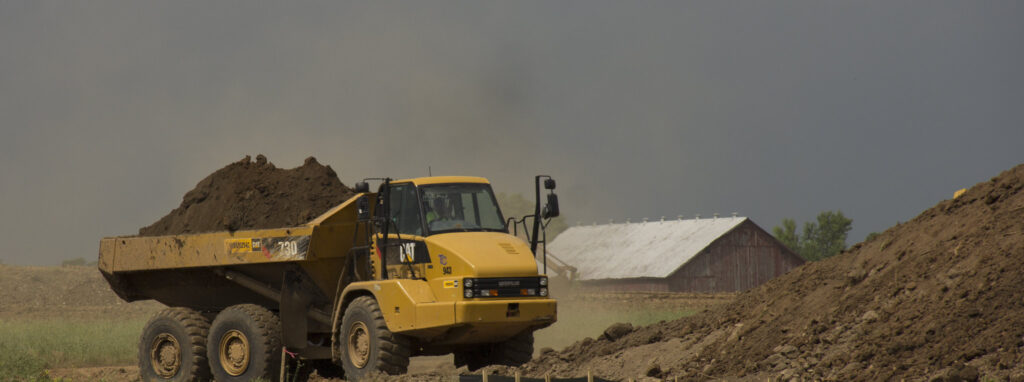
x: 407, y: 305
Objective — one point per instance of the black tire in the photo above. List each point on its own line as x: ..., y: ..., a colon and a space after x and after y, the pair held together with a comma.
x: 515, y: 351
x: 172, y: 347
x: 472, y: 359
x: 367, y: 345
x: 512, y: 352
x: 244, y: 344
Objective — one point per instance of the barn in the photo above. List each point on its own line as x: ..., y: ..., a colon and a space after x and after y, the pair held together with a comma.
x: 728, y: 254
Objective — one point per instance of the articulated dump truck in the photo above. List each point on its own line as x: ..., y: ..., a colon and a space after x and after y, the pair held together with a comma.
x: 423, y: 266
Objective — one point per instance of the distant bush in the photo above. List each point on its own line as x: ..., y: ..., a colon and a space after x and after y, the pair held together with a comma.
x: 820, y: 240
x: 76, y: 262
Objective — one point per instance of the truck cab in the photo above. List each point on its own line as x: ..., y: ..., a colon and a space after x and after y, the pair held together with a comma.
x: 448, y: 276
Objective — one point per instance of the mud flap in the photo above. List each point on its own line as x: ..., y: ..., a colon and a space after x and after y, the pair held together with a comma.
x: 298, y: 293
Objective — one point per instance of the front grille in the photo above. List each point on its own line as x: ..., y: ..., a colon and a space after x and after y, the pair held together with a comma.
x: 505, y: 287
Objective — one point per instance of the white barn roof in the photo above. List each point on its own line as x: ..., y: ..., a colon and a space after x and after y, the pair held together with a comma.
x: 628, y: 250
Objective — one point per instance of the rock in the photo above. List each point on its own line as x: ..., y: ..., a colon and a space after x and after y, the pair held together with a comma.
x: 786, y: 350
x: 774, y: 360
x: 967, y: 374
x: 869, y: 316
x: 586, y: 342
x: 856, y: 275
x: 653, y: 370
x: 546, y: 350
x: 787, y: 374
x: 618, y: 330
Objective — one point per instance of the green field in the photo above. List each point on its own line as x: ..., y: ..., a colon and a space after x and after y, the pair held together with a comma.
x: 29, y: 348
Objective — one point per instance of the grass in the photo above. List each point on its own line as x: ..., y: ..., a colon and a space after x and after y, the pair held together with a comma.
x: 578, y: 321
x: 28, y: 348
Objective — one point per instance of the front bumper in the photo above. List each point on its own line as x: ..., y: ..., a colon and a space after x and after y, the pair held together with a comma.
x: 486, y: 321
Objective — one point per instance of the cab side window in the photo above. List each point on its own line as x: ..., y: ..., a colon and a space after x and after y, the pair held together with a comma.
x: 405, y: 212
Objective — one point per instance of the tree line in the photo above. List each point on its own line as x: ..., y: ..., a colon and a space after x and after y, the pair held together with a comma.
x: 819, y: 239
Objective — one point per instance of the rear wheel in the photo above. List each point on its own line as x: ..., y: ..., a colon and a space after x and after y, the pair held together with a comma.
x: 367, y: 345
x: 173, y: 347
x: 244, y: 344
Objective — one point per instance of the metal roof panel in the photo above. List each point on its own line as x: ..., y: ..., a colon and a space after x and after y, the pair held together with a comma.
x: 628, y: 250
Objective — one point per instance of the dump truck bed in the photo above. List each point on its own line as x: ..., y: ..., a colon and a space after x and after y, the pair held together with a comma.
x: 188, y: 270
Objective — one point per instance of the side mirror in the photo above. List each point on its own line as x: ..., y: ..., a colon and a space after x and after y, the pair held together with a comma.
x: 551, y: 209
x: 362, y: 187
x: 549, y: 184
x: 362, y: 208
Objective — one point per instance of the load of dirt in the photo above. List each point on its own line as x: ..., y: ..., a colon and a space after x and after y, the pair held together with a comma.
x: 938, y: 298
x: 253, y: 195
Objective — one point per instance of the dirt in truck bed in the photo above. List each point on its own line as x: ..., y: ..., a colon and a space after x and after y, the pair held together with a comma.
x: 254, y: 194
x: 938, y: 298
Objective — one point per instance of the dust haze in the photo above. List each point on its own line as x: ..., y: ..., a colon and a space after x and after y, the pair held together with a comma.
x: 110, y: 111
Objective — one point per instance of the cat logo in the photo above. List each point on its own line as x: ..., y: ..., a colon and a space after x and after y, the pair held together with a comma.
x: 407, y: 252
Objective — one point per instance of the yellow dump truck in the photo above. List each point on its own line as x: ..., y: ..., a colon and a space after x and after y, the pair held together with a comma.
x: 423, y: 266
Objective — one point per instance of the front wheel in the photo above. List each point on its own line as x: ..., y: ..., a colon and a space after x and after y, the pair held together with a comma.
x: 367, y: 345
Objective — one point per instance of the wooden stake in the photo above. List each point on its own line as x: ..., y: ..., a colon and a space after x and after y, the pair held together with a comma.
x: 517, y: 375
x: 485, y: 374
x: 590, y: 378
x: 284, y: 356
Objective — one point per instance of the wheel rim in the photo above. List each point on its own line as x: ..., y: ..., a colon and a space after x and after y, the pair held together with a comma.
x: 359, y: 344
x: 165, y: 355
x: 234, y: 352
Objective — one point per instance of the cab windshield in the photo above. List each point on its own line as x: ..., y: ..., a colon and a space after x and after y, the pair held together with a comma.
x: 460, y: 207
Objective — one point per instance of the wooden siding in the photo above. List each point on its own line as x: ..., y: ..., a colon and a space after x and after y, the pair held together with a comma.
x: 646, y: 284
x: 744, y: 258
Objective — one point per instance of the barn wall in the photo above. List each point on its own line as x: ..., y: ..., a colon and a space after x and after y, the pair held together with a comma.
x: 741, y: 259
x: 645, y: 284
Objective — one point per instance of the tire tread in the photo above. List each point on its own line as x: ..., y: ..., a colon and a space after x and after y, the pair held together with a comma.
x: 196, y: 326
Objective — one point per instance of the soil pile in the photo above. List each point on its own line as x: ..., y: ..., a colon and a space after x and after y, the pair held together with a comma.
x: 254, y: 194
x: 939, y: 298
x: 68, y: 293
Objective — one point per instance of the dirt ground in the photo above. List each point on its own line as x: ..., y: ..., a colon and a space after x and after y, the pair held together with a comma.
x: 938, y: 298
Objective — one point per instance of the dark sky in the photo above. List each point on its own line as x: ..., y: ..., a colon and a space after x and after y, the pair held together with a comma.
x: 110, y: 111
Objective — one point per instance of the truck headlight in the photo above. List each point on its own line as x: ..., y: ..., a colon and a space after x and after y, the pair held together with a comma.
x: 543, y: 292
x: 468, y: 293
x: 467, y: 283
x: 543, y: 281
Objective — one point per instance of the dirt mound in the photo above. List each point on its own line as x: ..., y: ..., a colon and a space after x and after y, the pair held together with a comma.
x: 936, y: 298
x: 64, y: 293
x: 249, y: 195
